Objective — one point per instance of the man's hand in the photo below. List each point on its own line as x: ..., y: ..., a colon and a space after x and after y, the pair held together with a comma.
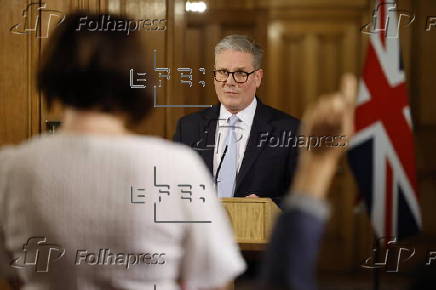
x: 332, y: 115
x: 252, y: 195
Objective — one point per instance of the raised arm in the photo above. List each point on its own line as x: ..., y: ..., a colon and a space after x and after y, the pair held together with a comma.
x: 290, y: 259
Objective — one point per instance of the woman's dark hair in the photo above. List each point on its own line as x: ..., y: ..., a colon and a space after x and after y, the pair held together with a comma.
x: 89, y: 69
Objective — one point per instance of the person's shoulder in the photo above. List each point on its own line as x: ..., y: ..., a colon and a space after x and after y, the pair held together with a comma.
x: 158, y: 143
x: 158, y: 146
x: 24, y: 146
x: 174, y: 156
x: 6, y: 152
x: 18, y: 155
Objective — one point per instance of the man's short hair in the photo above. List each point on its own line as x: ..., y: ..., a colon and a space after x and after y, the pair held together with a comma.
x: 88, y: 70
x: 241, y: 43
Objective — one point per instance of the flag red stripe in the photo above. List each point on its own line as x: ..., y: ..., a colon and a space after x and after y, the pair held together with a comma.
x: 382, y: 22
x: 386, y: 105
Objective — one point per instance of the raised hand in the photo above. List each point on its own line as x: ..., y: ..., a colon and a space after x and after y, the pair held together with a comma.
x: 331, y: 115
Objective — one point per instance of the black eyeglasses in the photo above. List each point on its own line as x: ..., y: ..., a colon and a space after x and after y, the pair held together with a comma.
x: 239, y: 76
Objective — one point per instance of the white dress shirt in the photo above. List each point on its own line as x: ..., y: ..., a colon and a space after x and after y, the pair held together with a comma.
x: 242, y: 130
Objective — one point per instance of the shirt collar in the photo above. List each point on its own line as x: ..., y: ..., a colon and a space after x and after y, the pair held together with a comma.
x: 246, y: 115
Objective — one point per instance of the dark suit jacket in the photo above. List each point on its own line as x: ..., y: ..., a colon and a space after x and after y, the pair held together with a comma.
x: 290, y: 260
x: 269, y: 159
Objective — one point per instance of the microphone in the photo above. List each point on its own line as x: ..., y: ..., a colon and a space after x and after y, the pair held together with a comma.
x: 219, y: 166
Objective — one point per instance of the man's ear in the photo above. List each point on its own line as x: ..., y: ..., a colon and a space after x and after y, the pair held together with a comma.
x: 259, y: 76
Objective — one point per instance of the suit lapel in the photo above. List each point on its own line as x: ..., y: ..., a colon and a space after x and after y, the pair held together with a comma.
x: 207, y: 135
x: 252, y: 151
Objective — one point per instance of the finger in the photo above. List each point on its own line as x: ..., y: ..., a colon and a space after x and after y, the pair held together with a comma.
x: 337, y: 104
x: 349, y: 88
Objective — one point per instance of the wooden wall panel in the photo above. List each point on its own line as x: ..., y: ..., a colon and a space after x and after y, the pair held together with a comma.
x: 307, y: 60
x: 422, y: 87
x: 315, y: 4
x: 424, y: 64
x: 19, y: 102
x: 252, y: 4
x: 176, y: 58
x: 152, y: 40
x: 309, y: 49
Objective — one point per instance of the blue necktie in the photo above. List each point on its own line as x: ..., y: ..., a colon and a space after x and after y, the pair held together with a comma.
x: 227, y: 174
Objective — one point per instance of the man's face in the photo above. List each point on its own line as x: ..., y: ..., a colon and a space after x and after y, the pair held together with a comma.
x: 236, y: 96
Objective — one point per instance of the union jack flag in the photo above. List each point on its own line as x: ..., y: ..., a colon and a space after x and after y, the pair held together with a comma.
x: 382, y: 152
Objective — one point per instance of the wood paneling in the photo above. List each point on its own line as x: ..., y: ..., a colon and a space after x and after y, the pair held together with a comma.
x: 423, y: 79
x: 252, y: 4
x: 19, y: 102
x: 176, y: 58
x: 152, y: 40
x: 308, y: 50
x: 420, y: 62
x: 422, y: 87
x: 307, y: 58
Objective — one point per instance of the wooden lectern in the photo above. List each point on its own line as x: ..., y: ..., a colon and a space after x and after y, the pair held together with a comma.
x: 252, y: 220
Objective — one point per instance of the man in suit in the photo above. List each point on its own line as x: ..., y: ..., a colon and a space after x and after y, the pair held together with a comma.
x: 247, y: 146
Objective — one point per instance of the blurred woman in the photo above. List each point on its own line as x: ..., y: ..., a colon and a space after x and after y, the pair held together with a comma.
x: 94, y: 206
